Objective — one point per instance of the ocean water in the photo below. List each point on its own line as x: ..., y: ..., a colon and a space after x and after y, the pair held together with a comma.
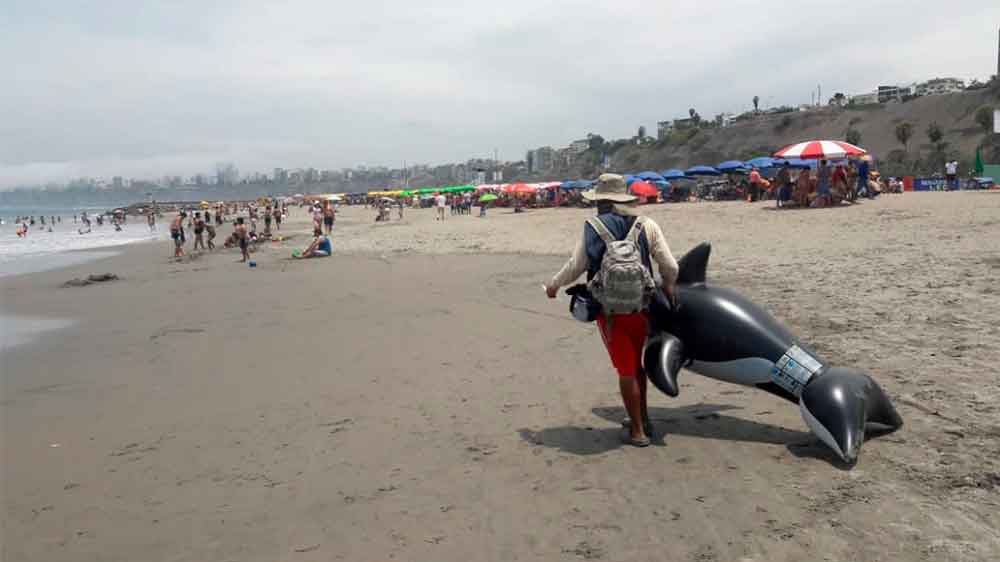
x: 41, y: 249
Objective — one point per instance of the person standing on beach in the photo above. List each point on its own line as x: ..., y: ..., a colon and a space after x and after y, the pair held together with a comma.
x: 624, y: 334
x: 951, y: 173
x: 211, y: 234
x: 755, y: 182
x: 277, y: 217
x: 440, y: 201
x: 177, y: 233
x: 199, y: 229
x: 864, y: 168
x: 328, y: 216
x: 822, y: 184
x: 244, y: 239
x: 268, y: 217
x: 151, y: 221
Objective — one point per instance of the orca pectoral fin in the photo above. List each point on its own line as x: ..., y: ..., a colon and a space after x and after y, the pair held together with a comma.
x: 838, y: 405
x: 662, y: 359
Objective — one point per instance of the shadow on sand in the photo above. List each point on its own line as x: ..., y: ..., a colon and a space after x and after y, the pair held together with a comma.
x: 699, y: 420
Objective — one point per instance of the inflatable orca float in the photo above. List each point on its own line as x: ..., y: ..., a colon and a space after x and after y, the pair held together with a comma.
x: 718, y: 333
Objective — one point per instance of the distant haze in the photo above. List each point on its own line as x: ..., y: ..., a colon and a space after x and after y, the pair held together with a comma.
x: 142, y: 89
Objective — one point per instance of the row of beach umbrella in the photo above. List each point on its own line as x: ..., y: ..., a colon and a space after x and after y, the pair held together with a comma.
x: 802, y: 155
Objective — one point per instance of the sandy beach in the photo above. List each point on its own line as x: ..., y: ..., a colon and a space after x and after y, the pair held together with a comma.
x: 416, y: 397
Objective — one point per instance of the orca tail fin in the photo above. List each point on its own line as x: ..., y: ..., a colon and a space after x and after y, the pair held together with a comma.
x: 838, y: 406
x: 692, y: 267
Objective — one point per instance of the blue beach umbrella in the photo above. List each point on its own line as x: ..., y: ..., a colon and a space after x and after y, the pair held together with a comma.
x: 673, y: 174
x: 730, y: 166
x: 650, y: 176
x: 702, y: 171
x: 761, y: 162
x: 794, y: 163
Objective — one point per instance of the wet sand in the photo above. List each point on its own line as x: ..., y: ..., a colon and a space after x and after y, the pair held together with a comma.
x: 415, y: 397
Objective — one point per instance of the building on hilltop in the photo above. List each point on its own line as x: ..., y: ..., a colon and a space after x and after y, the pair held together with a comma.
x: 865, y: 99
x: 940, y: 86
x: 664, y: 129
x: 685, y: 123
x: 724, y: 119
x: 892, y: 93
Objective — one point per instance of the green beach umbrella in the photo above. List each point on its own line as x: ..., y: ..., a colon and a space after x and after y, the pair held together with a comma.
x: 979, y: 163
x: 487, y: 198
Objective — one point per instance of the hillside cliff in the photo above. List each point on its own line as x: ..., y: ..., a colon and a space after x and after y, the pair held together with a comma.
x: 875, y: 124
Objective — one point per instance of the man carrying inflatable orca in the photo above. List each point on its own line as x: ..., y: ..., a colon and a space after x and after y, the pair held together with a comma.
x: 617, y: 251
x: 709, y: 330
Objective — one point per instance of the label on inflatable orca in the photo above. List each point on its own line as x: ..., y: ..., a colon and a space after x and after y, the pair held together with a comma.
x: 794, y: 370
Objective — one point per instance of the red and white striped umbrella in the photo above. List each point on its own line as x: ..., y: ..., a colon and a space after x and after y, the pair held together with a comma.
x: 820, y: 149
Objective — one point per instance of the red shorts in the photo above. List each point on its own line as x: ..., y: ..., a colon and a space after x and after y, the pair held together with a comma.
x: 625, y: 340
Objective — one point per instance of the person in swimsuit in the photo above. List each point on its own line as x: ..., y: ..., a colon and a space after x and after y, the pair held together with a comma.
x: 177, y: 233
x: 277, y: 217
x: 199, y: 229
x: 328, y: 215
x: 244, y: 239
x: 211, y: 235
x: 268, y: 217
x: 320, y: 248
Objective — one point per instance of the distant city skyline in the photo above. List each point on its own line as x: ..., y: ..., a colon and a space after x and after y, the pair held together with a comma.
x: 128, y: 89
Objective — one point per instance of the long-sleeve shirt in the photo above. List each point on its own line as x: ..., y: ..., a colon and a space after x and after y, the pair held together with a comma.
x: 659, y: 252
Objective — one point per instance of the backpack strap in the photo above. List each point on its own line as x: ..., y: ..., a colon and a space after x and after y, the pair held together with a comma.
x: 601, y: 230
x: 633, y: 233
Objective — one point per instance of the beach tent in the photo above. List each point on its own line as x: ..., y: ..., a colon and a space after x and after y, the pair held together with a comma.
x: 702, y: 171
x: 730, y: 166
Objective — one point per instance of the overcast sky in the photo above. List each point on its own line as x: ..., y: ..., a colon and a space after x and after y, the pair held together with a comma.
x: 143, y: 89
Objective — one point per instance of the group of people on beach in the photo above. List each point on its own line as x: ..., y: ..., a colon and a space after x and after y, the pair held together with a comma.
x: 829, y: 185
x: 47, y: 223
x: 245, y: 234
x: 23, y: 224
x: 200, y: 224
